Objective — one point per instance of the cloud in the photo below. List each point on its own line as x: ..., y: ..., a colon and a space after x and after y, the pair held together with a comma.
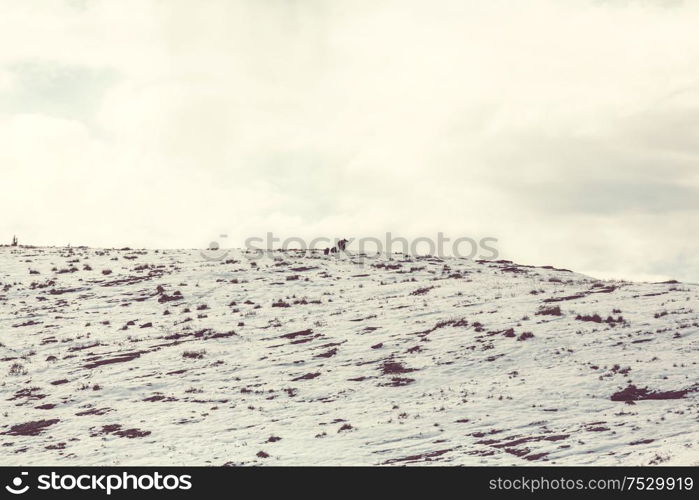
x: 54, y: 89
x: 566, y: 129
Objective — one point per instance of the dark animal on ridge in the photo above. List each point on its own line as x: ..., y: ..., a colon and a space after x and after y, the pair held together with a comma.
x: 341, y: 245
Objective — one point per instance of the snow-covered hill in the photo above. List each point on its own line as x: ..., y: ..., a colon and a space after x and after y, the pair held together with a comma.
x: 162, y: 357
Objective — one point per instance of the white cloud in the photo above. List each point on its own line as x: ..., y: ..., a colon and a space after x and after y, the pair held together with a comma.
x: 564, y: 128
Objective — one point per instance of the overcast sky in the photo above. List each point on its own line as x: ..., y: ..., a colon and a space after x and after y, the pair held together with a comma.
x: 567, y: 129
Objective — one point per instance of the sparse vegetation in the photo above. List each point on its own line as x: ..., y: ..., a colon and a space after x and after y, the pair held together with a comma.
x: 525, y: 336
x: 17, y: 370
x: 514, y: 361
x: 549, y: 311
x: 194, y: 354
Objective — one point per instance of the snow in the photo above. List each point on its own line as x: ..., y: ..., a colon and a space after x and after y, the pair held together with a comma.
x: 374, y: 361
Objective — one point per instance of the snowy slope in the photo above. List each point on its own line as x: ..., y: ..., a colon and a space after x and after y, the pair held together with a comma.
x: 312, y: 359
